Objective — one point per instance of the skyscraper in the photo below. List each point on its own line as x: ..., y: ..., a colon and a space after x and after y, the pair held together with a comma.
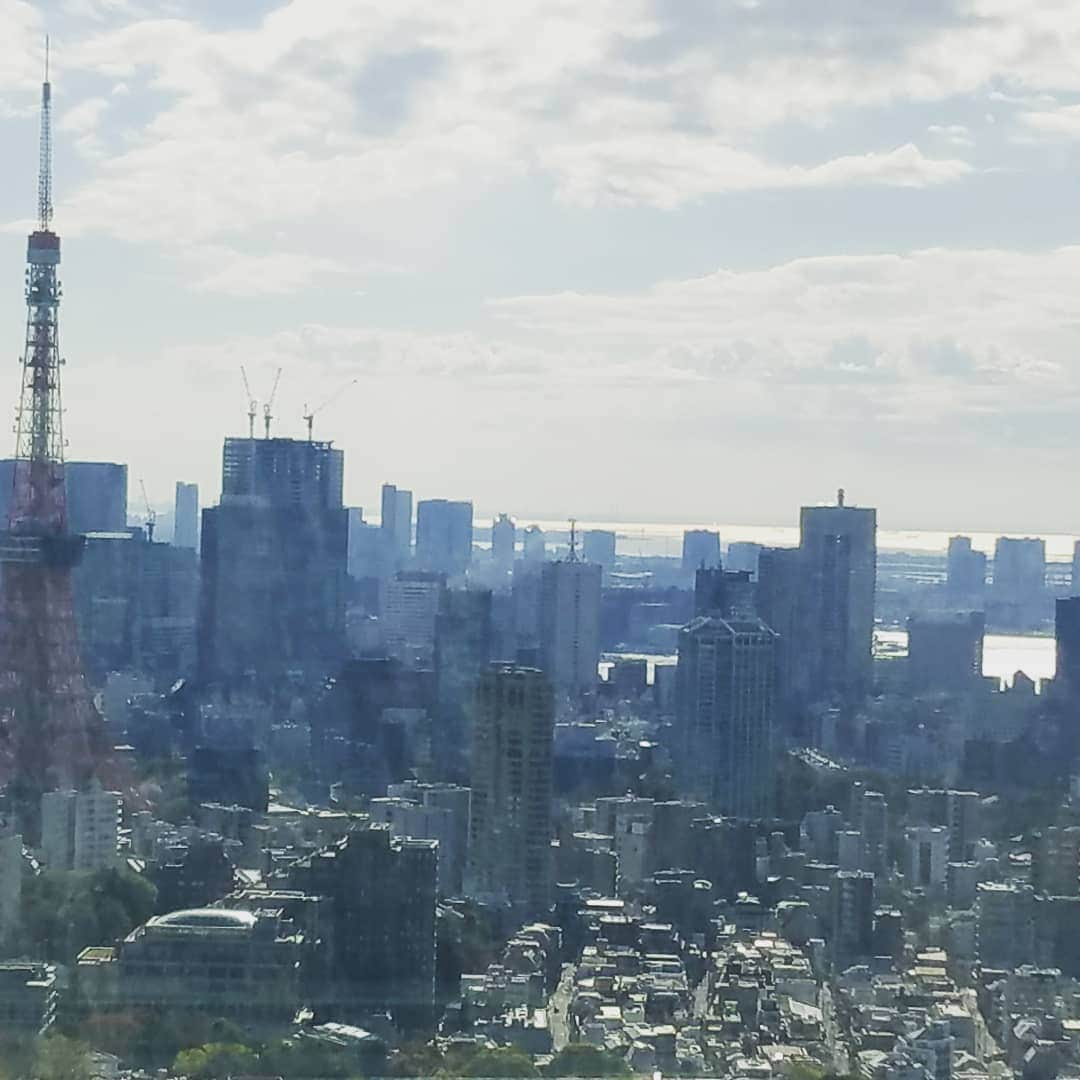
x: 725, y: 714
x: 598, y: 546
x: 965, y: 571
x: 1067, y: 644
x: 463, y: 649
x: 395, y: 523
x: 945, y: 651
x: 700, y: 548
x: 444, y: 535
x: 778, y: 593
x: 186, y: 516
x: 274, y: 557
x: 852, y: 929
x: 839, y: 563
x: 1019, y: 566
x: 510, y: 826
x: 534, y: 544
x: 503, y: 534
x: 410, y: 603
x: 570, y: 625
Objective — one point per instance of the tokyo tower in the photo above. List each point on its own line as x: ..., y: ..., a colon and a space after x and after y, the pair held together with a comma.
x: 52, y: 734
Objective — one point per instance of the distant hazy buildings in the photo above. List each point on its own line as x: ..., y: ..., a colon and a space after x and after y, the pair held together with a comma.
x: 186, y: 516
x: 725, y: 737
x: 570, y: 625
x: 965, y: 572
x: 839, y: 568
x: 534, y: 544
x: 274, y: 557
x: 598, y: 546
x: 510, y: 827
x: 395, y: 524
x: 700, y: 548
x: 743, y: 555
x: 444, y: 535
x: 410, y: 603
x: 503, y: 537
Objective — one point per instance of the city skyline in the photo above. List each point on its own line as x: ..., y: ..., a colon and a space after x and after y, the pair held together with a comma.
x: 606, y: 277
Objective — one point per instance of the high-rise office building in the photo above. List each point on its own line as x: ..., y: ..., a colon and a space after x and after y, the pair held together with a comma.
x: 80, y: 830
x: 727, y: 593
x: 874, y: 826
x: 383, y: 895
x: 395, y: 523
x: 503, y: 536
x: 1074, y: 578
x: 463, y: 650
x: 839, y: 563
x: 1067, y: 644
x: 410, y: 603
x: 965, y: 579
x: 96, y: 494
x: 725, y: 714
x: 186, y: 516
x: 777, y: 599
x: 534, y: 544
x: 367, y: 553
x: 700, y: 548
x: 513, y: 724
x: 274, y: 559
x: 1004, y: 920
x: 945, y: 652
x: 1019, y: 566
x: 743, y: 555
x: 852, y: 922
x: 570, y: 625
x: 598, y: 546
x: 444, y: 535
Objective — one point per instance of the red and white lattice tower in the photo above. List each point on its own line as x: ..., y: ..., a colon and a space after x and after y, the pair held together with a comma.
x: 53, y: 732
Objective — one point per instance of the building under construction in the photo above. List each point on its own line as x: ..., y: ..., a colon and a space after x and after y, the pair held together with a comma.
x: 52, y: 735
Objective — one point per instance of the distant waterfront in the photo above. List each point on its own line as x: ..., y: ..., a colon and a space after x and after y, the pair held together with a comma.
x: 651, y: 538
x: 1003, y: 654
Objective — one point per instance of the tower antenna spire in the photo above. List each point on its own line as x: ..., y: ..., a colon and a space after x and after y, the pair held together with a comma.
x: 45, y: 199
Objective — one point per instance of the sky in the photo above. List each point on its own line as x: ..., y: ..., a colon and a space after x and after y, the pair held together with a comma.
x: 671, y: 260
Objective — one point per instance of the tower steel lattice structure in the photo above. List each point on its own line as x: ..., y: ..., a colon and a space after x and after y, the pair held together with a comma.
x: 52, y: 731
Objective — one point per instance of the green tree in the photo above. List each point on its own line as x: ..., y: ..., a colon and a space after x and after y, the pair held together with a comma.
x: 581, y: 1059
x: 216, y: 1061
x: 502, y: 1061
x: 61, y: 1058
x: 65, y: 911
x: 416, y: 1059
x: 301, y: 1059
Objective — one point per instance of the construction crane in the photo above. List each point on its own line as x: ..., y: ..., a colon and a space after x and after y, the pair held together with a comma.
x: 251, y: 404
x: 267, y: 415
x: 310, y: 414
x: 151, y: 514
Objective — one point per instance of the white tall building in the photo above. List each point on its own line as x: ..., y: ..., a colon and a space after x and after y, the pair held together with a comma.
x: 570, y: 625
x: 410, y: 604
x: 80, y: 830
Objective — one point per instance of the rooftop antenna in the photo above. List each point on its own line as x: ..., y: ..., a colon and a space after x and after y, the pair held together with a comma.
x: 251, y: 404
x: 840, y: 497
x: 267, y: 414
x: 45, y: 200
x: 310, y: 414
x: 573, y: 540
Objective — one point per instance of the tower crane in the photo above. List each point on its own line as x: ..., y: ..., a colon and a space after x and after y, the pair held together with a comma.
x: 310, y: 414
x: 267, y: 415
x: 251, y: 404
x: 151, y: 514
